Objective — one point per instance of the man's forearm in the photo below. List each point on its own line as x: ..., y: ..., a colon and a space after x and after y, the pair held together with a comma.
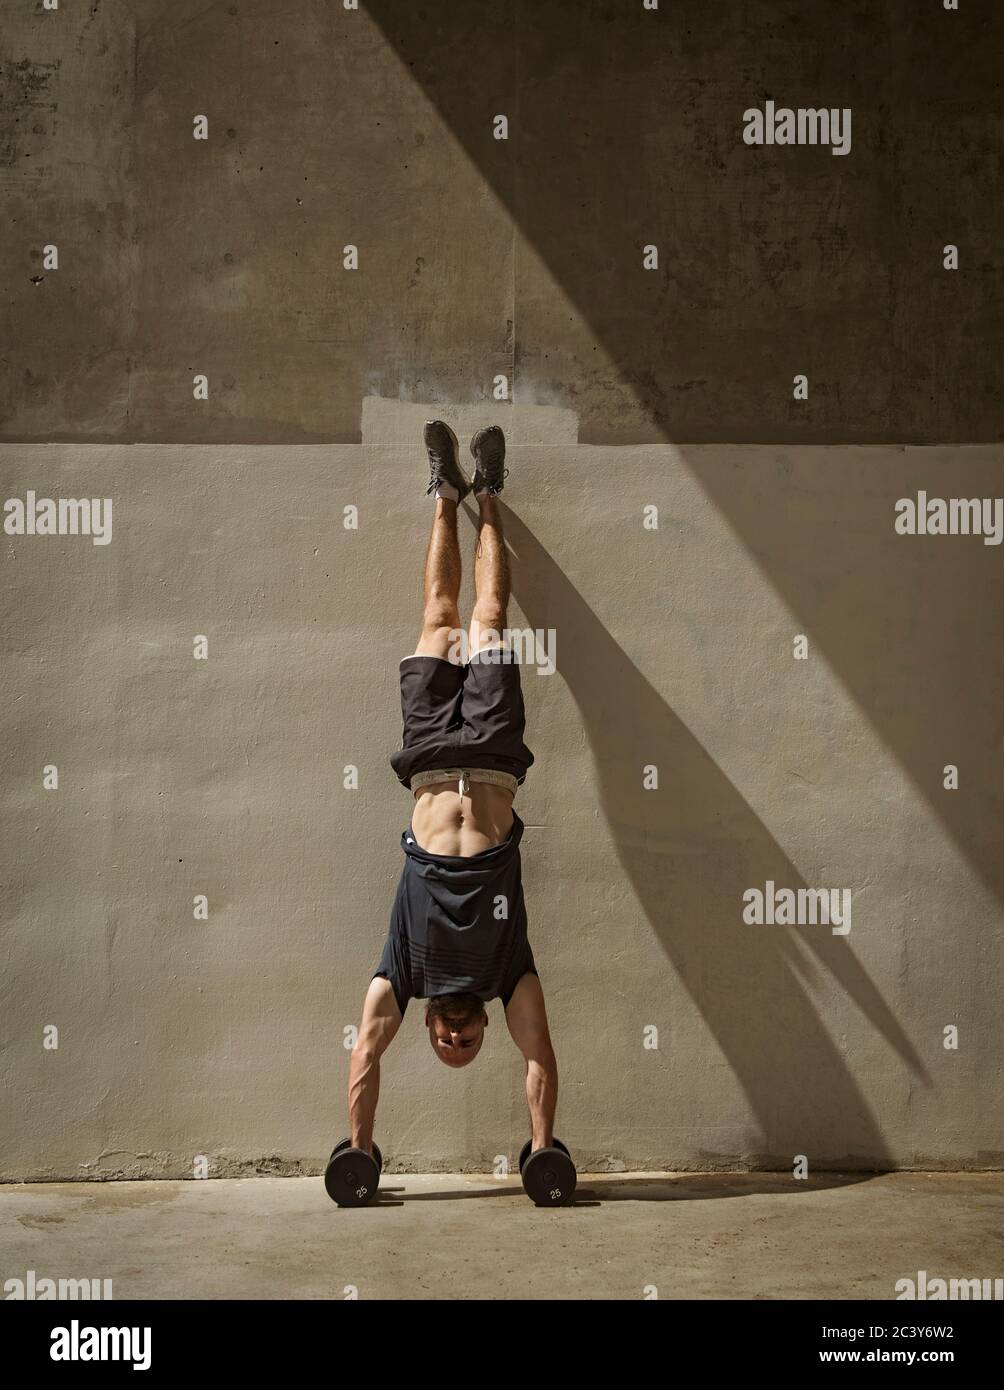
x: 364, y: 1092
x: 542, y: 1097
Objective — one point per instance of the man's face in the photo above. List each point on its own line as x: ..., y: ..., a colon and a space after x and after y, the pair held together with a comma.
x: 456, y: 1046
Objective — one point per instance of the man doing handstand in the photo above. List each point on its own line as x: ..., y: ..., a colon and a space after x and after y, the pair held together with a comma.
x: 458, y: 931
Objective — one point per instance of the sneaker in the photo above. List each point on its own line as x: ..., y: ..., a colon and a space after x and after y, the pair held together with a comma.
x: 444, y: 458
x: 488, y: 448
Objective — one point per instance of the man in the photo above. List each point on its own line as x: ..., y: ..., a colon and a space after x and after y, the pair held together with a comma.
x: 458, y: 927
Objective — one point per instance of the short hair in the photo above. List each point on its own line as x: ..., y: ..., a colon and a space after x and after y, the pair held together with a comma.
x: 457, y: 1010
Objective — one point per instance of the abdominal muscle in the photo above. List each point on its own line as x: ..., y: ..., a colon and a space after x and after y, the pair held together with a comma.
x: 444, y: 822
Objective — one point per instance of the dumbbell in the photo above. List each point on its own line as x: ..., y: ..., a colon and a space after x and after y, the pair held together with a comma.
x: 548, y: 1175
x: 352, y: 1177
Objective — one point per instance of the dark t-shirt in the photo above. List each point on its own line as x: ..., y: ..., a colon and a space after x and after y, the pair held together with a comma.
x: 458, y: 925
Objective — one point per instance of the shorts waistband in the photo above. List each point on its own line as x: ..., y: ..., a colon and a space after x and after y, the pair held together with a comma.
x: 464, y: 776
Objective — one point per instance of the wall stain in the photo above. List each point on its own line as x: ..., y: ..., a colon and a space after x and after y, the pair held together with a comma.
x: 24, y: 87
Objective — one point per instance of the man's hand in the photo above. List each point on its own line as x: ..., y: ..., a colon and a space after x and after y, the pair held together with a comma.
x: 380, y: 1022
x: 526, y: 1019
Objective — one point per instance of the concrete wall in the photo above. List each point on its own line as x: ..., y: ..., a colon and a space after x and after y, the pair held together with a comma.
x: 224, y: 777
x: 374, y: 128
x: 633, y: 388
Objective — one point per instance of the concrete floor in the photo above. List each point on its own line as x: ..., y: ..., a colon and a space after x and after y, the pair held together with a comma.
x: 447, y: 1236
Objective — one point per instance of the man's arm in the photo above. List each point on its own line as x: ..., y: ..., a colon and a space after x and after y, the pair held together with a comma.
x: 526, y: 1019
x: 381, y: 1020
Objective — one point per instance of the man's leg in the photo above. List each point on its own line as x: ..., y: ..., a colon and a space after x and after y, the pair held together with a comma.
x: 491, y: 577
x: 492, y: 710
x: 432, y: 679
x: 441, y: 615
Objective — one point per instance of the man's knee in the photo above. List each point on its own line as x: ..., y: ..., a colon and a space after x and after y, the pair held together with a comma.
x: 440, y: 612
x: 490, y: 617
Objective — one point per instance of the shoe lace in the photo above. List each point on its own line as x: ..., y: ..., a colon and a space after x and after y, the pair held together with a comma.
x: 435, y: 471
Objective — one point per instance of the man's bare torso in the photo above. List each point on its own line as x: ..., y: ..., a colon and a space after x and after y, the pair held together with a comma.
x: 444, y: 822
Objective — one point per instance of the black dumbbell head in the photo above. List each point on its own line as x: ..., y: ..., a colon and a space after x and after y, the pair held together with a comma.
x: 352, y: 1176
x: 549, y: 1175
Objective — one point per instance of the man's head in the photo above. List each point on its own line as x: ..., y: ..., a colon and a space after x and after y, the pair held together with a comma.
x: 456, y: 1024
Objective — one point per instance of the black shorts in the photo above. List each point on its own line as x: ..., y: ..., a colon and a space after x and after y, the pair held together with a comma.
x: 461, y: 716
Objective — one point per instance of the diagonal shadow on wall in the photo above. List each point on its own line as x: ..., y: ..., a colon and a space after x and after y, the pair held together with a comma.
x: 689, y: 851
x: 624, y: 131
